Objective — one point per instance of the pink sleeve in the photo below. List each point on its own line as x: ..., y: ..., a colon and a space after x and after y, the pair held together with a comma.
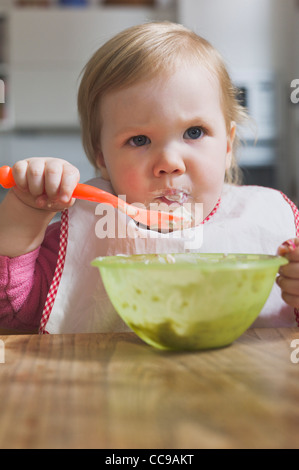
x: 25, y: 281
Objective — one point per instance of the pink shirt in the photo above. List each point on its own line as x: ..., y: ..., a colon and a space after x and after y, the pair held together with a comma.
x: 25, y: 281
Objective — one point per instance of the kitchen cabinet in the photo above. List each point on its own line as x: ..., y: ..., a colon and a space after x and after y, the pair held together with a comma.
x: 47, y: 49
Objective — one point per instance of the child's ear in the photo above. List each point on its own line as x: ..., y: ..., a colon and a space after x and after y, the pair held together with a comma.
x: 230, y: 141
x: 100, y: 161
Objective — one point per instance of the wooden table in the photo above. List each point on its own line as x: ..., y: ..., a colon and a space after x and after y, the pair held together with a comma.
x: 112, y: 391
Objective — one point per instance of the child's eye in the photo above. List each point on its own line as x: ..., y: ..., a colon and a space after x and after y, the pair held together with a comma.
x: 139, y: 140
x: 193, y: 133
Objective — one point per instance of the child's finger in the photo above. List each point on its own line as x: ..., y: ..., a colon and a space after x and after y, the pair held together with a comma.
x: 48, y: 183
x: 290, y: 270
x: 19, y: 171
x: 290, y: 249
x: 53, y: 176
x: 288, y: 286
x: 292, y: 300
x: 35, y: 176
x: 69, y: 180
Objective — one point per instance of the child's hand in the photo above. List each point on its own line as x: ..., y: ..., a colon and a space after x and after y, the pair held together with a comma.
x: 288, y: 279
x: 45, y: 183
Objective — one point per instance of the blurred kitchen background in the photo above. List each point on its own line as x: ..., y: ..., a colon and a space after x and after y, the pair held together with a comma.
x: 44, y: 44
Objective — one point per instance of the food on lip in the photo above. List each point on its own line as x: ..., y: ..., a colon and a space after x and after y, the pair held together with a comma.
x: 177, y: 198
x: 168, y: 201
x: 180, y: 197
x: 172, y: 194
x: 187, y: 217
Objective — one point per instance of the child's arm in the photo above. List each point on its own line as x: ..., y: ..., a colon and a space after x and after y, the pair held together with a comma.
x: 44, y: 186
x: 288, y: 279
x: 25, y: 282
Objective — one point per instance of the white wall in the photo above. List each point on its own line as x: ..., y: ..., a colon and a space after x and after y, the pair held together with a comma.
x: 248, y: 33
x: 256, y: 35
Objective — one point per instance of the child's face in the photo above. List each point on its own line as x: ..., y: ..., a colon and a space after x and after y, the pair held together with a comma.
x: 166, y: 139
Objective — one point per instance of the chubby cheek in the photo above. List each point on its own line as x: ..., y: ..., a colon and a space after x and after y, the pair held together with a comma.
x: 208, y: 180
x: 209, y: 175
x: 129, y: 182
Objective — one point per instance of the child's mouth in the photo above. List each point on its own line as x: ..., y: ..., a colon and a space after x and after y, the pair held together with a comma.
x: 176, y: 200
x: 172, y: 196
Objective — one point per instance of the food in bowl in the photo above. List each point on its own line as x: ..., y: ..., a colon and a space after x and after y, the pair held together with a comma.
x: 189, y: 301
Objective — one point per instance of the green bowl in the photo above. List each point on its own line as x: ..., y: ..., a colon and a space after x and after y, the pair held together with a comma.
x: 189, y: 301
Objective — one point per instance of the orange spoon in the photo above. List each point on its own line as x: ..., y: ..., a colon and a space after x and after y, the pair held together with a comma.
x: 153, y: 219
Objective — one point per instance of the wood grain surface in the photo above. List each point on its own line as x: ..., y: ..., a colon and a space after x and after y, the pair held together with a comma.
x: 112, y: 391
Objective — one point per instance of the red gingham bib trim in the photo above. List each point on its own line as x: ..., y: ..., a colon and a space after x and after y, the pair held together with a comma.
x: 57, y: 274
x: 295, y: 212
x: 213, y: 212
x: 296, y: 217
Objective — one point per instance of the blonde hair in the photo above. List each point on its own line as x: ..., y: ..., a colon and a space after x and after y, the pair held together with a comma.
x: 139, y: 53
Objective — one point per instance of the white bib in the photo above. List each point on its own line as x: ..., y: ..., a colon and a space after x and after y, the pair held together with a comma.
x: 249, y: 219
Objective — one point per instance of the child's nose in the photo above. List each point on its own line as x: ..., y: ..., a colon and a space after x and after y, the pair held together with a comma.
x: 169, y: 161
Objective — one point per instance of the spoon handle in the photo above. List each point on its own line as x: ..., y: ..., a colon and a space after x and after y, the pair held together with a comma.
x: 91, y: 193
